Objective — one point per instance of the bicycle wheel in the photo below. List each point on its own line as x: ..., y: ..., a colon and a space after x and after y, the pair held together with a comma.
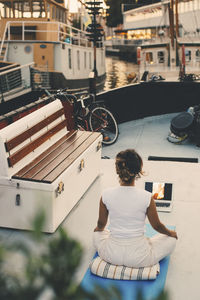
x: 102, y: 120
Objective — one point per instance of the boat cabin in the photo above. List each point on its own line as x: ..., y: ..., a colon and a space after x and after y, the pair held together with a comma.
x: 39, y: 32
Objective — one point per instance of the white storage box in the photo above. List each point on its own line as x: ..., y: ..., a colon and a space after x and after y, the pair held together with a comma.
x: 23, y: 190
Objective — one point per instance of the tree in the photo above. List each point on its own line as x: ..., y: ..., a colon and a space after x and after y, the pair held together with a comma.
x: 76, y: 23
x: 114, y: 13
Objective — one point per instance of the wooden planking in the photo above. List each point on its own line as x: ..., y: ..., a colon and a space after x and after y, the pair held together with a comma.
x: 47, y: 161
x: 18, y: 155
x: 17, y: 140
x: 70, y: 159
x: 37, y: 160
x: 62, y: 157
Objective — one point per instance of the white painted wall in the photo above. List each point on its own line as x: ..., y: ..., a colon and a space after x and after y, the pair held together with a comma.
x: 61, y: 63
x: 17, y: 53
x: 189, y: 17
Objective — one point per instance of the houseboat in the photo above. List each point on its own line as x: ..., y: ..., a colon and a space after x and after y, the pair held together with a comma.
x: 162, y: 36
x: 39, y: 49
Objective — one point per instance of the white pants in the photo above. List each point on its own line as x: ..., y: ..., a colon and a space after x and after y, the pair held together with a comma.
x: 137, y: 252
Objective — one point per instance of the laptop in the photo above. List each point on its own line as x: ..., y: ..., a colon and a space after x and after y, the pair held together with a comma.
x: 162, y: 194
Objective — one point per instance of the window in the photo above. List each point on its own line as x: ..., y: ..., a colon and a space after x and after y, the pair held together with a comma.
x: 90, y: 60
x: 197, y: 54
x: 48, y: 11
x: 70, y: 58
x: 53, y: 12
x: 102, y: 58
x: 149, y: 57
x: 187, y: 55
x: 78, y: 60
x: 85, y: 60
x: 161, y: 57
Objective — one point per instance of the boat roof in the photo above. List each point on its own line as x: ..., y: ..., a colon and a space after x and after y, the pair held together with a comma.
x: 149, y: 137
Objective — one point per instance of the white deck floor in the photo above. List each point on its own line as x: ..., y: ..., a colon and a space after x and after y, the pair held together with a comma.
x: 148, y: 137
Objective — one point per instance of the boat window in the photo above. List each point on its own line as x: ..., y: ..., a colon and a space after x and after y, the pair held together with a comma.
x: 102, y: 58
x: 187, y: 55
x: 70, y: 58
x: 85, y: 60
x: 38, y: 9
x: 149, y: 57
x: 48, y: 11
x: 53, y: 12
x: 161, y: 57
x: 78, y: 60
x: 90, y: 60
x: 57, y: 13
x: 197, y: 53
x: 27, y: 9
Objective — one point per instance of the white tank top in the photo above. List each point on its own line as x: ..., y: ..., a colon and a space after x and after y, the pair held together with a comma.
x: 127, y: 206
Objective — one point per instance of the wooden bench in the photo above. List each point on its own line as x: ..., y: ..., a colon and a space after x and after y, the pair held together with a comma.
x: 45, y: 166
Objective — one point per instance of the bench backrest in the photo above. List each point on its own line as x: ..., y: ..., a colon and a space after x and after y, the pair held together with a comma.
x: 23, y: 140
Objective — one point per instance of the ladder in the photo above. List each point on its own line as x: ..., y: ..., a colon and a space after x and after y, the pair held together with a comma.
x: 4, y: 45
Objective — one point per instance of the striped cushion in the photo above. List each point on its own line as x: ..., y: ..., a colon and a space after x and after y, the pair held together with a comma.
x: 101, y: 268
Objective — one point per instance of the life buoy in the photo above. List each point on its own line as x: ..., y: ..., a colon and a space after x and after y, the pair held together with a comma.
x: 37, y: 78
x: 138, y: 55
x: 62, y: 34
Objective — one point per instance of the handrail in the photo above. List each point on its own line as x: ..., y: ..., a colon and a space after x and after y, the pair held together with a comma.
x: 15, y: 81
x: 8, y: 66
x: 17, y: 68
x: 65, y: 32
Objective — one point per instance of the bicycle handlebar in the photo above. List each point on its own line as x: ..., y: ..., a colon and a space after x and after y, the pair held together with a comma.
x: 76, y: 97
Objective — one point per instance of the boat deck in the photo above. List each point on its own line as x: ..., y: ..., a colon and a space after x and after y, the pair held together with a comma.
x: 148, y: 137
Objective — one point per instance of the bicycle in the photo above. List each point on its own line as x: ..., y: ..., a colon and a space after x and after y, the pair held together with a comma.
x: 92, y: 115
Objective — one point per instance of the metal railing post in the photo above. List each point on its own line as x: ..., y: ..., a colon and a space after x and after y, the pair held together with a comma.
x: 58, y: 32
x: 22, y: 31
x: 1, y: 89
x: 9, y: 31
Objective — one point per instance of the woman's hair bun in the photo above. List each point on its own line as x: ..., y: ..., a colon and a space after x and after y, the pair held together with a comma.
x: 128, y: 165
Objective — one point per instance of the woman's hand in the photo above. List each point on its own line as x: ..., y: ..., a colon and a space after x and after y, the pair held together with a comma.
x: 173, y: 234
x: 155, y: 221
x: 98, y: 229
x: 103, y: 217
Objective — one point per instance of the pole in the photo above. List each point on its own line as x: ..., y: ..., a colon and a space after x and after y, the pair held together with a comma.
x: 1, y: 88
x: 177, y: 33
x: 95, y: 35
x: 177, y: 25
x: 171, y: 20
x: 95, y: 47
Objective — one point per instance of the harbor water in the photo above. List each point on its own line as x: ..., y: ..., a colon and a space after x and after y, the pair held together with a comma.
x: 118, y: 71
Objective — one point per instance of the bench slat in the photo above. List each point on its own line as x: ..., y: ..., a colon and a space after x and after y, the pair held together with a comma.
x: 62, y: 157
x: 18, y: 155
x: 37, y: 160
x: 47, y: 161
x: 17, y: 140
x: 70, y: 159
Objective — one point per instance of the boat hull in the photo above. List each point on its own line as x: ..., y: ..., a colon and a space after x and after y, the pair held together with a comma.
x: 150, y: 98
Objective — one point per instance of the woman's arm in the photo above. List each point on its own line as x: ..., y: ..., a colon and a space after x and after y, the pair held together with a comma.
x: 155, y: 221
x: 103, y: 217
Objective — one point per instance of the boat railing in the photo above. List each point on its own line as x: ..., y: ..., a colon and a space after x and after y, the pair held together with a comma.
x: 40, y: 77
x: 156, y: 40
x: 195, y: 39
x: 136, y: 42
x: 15, y: 81
x: 123, y: 42
x: 46, y: 31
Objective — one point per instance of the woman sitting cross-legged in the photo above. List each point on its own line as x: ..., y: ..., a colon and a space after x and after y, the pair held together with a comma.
x: 127, y: 207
